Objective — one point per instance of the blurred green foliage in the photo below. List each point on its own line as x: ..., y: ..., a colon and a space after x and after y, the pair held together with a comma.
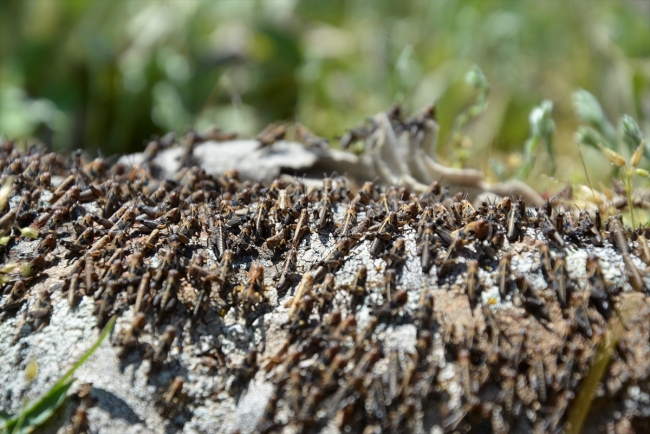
x: 99, y: 74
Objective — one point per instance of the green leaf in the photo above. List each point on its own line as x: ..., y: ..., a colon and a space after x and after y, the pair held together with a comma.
x: 43, y: 408
x: 632, y: 135
x: 631, y: 131
x: 589, y: 136
x: 542, y: 127
x: 82, y: 360
x: 477, y: 79
x: 590, y: 112
x: 41, y: 411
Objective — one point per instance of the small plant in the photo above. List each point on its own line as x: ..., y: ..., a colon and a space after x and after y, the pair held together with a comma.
x: 598, y: 130
x: 542, y: 128
x: 479, y: 82
x: 33, y: 416
x: 460, y: 144
x: 599, y: 133
x: 606, y: 349
x: 627, y: 171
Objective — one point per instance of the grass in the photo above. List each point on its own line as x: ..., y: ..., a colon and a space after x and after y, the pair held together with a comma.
x: 582, y: 402
x: 37, y: 413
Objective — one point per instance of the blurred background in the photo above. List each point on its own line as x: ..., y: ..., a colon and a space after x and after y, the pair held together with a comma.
x: 107, y: 75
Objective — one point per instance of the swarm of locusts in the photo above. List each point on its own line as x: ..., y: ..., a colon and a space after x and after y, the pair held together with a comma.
x: 501, y: 307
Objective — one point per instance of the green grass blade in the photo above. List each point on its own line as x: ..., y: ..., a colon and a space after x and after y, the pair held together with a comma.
x: 107, y: 330
x: 582, y: 402
x: 44, y: 407
x: 584, y: 398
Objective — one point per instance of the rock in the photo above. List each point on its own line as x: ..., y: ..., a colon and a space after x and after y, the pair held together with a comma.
x: 486, y: 315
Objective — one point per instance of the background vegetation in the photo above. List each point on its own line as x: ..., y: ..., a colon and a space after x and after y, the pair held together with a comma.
x: 106, y: 75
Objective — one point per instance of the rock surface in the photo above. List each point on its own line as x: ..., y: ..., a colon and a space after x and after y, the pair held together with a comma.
x: 497, y: 330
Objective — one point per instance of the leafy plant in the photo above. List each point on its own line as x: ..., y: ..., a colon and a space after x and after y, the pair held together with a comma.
x: 479, y: 82
x: 598, y: 128
x: 600, y: 133
x: 633, y: 136
x: 542, y: 128
x: 461, y: 147
x: 627, y: 171
x: 33, y: 416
